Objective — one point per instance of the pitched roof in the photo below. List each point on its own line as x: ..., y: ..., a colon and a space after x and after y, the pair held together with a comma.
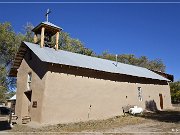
x: 49, y: 55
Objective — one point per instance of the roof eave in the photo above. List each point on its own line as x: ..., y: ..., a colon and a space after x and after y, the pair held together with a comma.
x: 35, y: 29
x: 18, y: 59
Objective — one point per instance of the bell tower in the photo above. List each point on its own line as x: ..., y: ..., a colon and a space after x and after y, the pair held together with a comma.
x: 44, y: 32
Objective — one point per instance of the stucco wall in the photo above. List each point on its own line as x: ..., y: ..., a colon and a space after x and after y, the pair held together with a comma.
x: 68, y: 95
x: 38, y: 70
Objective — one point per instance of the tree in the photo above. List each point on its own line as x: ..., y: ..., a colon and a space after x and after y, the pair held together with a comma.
x: 9, y: 43
x: 73, y: 45
x: 28, y: 32
x: 175, y: 92
x: 3, y: 84
x: 157, y: 65
x: 142, y: 61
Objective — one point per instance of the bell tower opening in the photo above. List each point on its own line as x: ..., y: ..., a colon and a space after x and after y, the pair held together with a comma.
x: 44, y: 32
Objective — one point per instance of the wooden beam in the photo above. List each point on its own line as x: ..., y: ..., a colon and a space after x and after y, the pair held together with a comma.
x: 42, y: 37
x: 57, y: 40
x: 19, y: 58
x: 16, y: 66
x: 21, y: 53
x: 23, y: 47
x: 35, y: 38
x: 17, y: 62
x: 22, y: 50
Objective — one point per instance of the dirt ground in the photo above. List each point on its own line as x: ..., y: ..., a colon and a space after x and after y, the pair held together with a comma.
x: 161, y: 122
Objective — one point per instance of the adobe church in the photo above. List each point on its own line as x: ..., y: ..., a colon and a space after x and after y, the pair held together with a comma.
x: 56, y: 86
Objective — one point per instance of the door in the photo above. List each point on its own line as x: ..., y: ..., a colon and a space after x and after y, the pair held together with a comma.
x: 161, y: 101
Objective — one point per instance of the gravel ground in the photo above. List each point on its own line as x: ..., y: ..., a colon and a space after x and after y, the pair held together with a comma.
x: 164, y: 122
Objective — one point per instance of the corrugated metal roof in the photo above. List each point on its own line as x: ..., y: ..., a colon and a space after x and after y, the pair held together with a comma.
x: 78, y: 60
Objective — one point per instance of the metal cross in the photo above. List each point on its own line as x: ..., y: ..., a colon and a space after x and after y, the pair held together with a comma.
x: 47, y: 14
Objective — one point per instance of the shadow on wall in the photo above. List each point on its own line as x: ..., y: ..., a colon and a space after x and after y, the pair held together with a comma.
x: 39, y: 67
x: 151, y: 106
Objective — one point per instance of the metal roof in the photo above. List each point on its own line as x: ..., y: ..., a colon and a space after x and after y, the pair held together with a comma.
x: 46, y: 24
x: 49, y: 55
x: 51, y: 24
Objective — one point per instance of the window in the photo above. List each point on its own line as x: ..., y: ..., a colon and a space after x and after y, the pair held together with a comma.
x: 29, y: 81
x: 140, y: 94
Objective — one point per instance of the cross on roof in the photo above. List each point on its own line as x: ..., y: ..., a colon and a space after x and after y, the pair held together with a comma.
x: 47, y: 14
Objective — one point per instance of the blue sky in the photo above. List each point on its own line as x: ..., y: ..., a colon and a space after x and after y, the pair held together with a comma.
x: 142, y: 29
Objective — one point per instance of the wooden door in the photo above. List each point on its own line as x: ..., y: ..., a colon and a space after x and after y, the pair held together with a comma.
x: 161, y: 100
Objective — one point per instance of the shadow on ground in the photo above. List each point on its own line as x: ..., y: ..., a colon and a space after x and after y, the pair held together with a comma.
x: 163, y: 116
x: 4, y: 125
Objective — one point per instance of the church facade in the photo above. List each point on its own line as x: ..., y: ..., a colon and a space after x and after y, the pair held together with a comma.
x: 56, y: 86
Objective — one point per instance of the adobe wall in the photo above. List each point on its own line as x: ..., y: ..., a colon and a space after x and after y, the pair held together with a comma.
x: 38, y: 70
x: 70, y: 91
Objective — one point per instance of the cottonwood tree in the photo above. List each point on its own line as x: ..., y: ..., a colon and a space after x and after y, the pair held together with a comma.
x: 175, y: 92
x: 142, y: 61
x: 73, y: 45
x: 9, y: 44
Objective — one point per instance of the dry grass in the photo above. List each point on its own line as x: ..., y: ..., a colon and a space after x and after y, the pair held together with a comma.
x: 96, y: 125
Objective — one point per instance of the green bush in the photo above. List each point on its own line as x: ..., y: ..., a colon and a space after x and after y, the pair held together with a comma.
x: 175, y: 92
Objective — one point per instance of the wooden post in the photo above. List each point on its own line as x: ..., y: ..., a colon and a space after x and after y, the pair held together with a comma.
x: 42, y: 37
x: 35, y: 38
x: 57, y: 40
